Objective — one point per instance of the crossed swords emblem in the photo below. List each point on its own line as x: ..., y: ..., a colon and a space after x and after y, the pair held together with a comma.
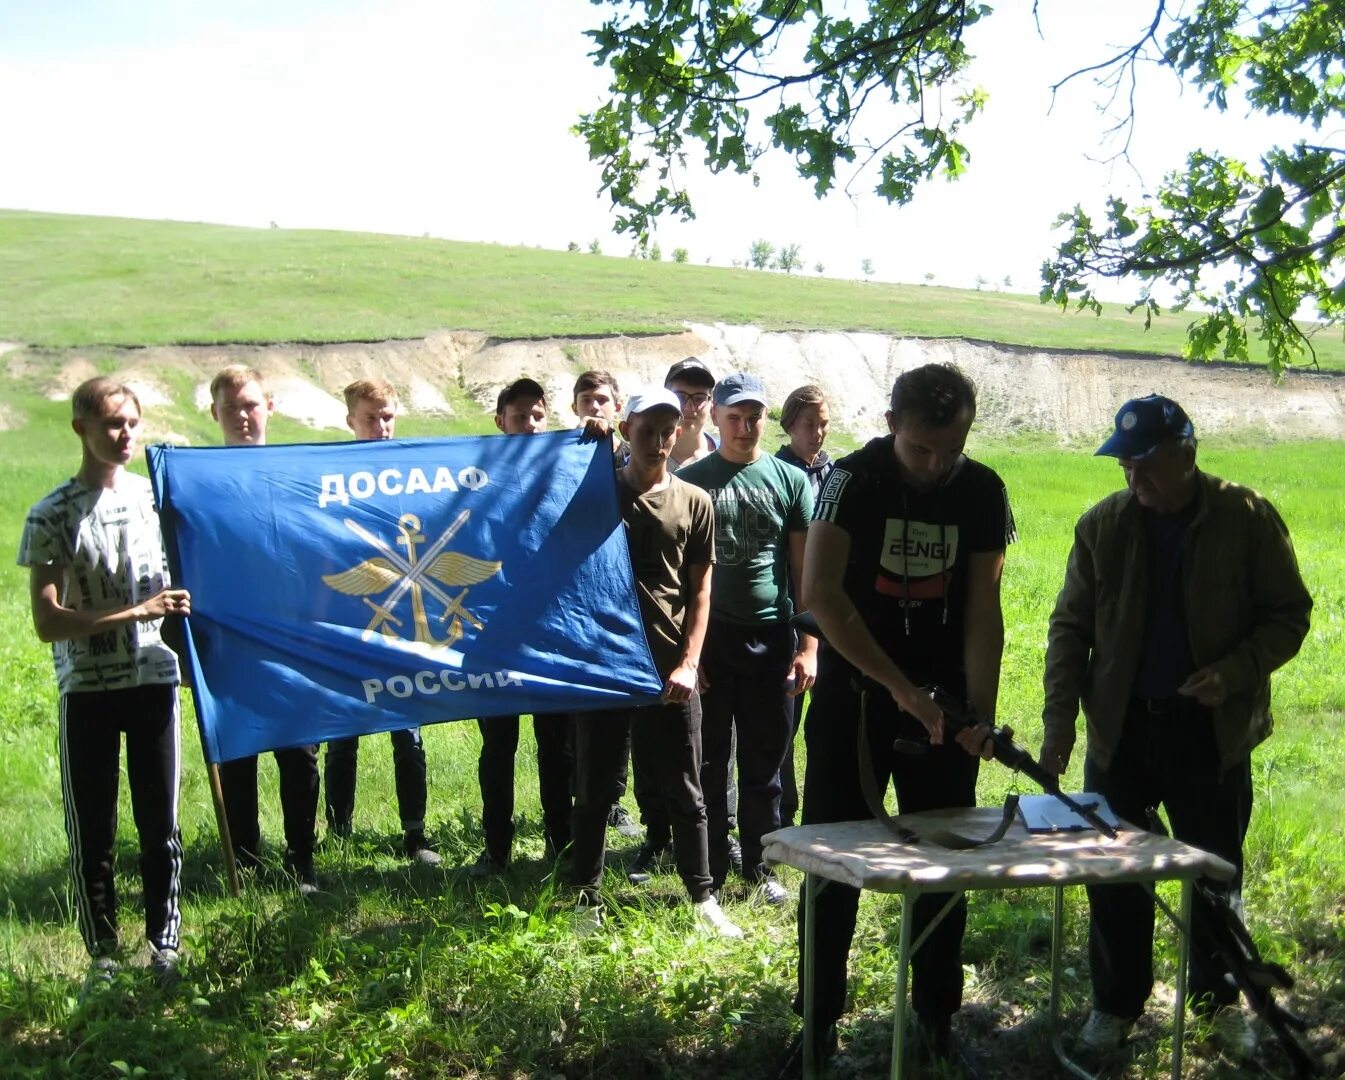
x: 432, y: 572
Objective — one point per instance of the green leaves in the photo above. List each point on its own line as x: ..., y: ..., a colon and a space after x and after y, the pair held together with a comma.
x: 741, y: 80
x: 867, y: 85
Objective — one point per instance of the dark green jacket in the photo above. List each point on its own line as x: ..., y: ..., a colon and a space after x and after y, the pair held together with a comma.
x: 1246, y: 611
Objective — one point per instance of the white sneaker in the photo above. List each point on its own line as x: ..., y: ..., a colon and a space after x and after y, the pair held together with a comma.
x: 711, y: 918
x: 1103, y: 1033
x: 1234, y: 1032
x: 165, y: 963
x: 587, y: 920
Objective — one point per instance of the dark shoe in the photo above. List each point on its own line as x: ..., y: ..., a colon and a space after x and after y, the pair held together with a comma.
x: 300, y: 867
x: 102, y: 971
x: 735, y: 855
x: 248, y: 862
x: 619, y: 818
x: 770, y: 891
x: 646, y: 861
x: 824, y: 1049
x: 486, y: 866
x: 939, y: 1051
x: 419, y: 849
x: 340, y: 830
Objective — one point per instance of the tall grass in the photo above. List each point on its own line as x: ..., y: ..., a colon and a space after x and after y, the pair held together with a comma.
x: 404, y: 971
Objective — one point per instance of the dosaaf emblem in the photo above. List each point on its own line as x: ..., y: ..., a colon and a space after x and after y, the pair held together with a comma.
x: 434, y: 572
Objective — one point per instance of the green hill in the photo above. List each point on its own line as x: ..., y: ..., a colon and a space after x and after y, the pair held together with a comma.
x: 76, y: 281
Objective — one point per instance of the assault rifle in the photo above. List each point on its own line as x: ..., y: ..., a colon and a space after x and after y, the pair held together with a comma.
x: 958, y: 717
x: 1257, y: 979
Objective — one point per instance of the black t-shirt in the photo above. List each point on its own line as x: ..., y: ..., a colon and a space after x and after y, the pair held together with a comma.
x: 910, y: 555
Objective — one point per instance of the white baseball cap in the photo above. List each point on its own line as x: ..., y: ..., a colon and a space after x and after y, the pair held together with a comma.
x: 656, y: 397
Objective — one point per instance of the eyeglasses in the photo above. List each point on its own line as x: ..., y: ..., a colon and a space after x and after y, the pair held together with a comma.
x: 694, y: 400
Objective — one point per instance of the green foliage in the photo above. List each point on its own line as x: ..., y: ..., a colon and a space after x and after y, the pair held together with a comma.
x: 760, y: 255
x: 788, y: 258
x: 1240, y: 242
x: 681, y: 255
x: 834, y: 85
x: 739, y: 80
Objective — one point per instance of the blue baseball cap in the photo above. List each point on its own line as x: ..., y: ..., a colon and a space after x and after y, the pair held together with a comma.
x: 739, y: 387
x: 1142, y: 424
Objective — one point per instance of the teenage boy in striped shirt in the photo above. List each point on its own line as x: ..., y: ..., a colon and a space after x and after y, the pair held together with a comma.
x: 99, y: 587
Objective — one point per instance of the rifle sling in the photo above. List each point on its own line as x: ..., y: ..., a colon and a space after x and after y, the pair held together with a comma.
x: 868, y: 783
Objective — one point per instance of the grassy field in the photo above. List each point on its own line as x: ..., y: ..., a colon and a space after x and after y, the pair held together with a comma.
x: 70, y: 281
x: 409, y: 972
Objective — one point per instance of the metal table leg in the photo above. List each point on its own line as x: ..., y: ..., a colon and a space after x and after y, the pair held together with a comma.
x: 810, y: 886
x: 1183, y: 955
x: 1057, y: 949
x: 903, y: 968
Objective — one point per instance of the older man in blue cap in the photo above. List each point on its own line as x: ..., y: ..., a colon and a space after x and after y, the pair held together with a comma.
x: 1182, y: 594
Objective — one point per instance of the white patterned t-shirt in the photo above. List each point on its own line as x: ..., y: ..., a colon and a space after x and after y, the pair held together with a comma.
x: 108, y: 544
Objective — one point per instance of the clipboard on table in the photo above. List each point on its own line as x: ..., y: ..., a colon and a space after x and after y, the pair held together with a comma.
x: 1047, y: 814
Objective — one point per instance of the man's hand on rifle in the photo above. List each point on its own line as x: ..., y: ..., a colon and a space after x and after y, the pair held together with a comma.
x: 911, y: 699
x: 976, y: 741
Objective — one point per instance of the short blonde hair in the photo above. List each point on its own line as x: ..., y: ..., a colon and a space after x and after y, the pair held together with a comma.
x: 375, y: 390
x: 87, y: 400
x: 797, y: 401
x: 235, y: 377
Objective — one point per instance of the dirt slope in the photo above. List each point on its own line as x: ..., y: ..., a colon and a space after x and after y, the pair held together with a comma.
x: 1073, y: 395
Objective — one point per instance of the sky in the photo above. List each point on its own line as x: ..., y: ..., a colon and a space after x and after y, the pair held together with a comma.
x: 452, y: 118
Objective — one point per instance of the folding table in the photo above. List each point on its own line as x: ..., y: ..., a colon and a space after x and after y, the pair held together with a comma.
x: 864, y: 854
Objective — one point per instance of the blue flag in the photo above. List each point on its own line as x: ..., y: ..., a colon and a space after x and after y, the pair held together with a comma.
x: 341, y: 589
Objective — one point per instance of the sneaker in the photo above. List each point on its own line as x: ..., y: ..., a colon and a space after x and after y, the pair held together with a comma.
x: 165, y: 963
x: 1234, y: 1032
x: 486, y: 866
x: 735, y: 855
x: 619, y: 818
x: 710, y: 916
x: 646, y: 861
x: 770, y: 891
x: 300, y: 867
x: 587, y: 920
x: 420, y: 850
x: 1103, y: 1033
x: 102, y: 970
x: 824, y: 1049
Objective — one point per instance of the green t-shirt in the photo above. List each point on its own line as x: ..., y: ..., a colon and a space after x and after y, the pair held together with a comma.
x: 757, y: 507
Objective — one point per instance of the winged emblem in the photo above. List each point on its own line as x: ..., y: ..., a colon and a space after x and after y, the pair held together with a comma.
x: 435, y: 573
